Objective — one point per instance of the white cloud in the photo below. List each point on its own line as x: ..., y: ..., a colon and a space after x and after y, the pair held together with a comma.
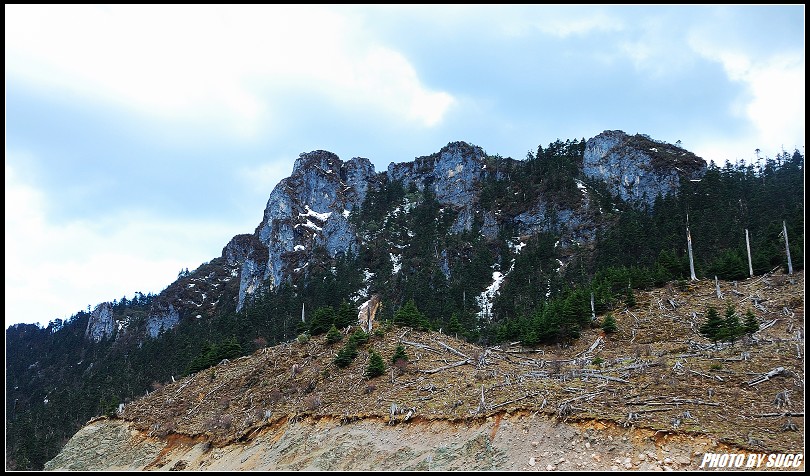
x: 773, y: 103
x: 211, y: 64
x: 54, y: 271
x: 579, y: 23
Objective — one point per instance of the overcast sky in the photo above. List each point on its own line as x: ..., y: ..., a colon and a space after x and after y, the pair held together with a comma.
x: 140, y: 139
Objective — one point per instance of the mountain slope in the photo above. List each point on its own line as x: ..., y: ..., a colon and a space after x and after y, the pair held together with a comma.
x: 656, y: 386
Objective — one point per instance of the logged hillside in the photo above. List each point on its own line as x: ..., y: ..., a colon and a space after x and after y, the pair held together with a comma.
x: 653, y: 394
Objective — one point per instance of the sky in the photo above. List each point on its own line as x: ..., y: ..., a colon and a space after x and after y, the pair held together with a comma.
x: 141, y: 139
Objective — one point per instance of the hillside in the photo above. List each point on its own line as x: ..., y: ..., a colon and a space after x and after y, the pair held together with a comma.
x: 655, y: 394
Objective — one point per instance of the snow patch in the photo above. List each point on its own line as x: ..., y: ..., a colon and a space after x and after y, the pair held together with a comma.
x: 396, y: 262
x: 309, y: 225
x: 312, y: 213
x: 299, y: 248
x: 345, y: 213
x: 516, y: 247
x: 488, y: 296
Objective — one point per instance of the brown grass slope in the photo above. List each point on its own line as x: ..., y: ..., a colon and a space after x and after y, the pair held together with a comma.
x: 657, y: 374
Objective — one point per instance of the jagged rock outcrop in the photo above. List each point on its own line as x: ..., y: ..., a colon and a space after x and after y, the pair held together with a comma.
x: 308, y: 210
x: 451, y: 174
x: 163, y: 317
x: 637, y: 168
x: 248, y: 257
x: 101, y: 324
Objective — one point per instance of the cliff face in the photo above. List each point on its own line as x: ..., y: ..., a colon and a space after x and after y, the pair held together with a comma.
x: 307, y: 210
x: 311, y: 211
x: 638, y: 168
x: 101, y: 324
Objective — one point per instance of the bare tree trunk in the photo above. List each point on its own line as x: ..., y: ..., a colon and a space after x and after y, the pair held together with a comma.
x: 717, y: 286
x: 593, y: 312
x: 748, y: 247
x: 787, y: 248
x: 689, y: 246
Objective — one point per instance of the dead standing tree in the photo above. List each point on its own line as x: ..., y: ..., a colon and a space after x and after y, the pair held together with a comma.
x: 689, y: 247
x: 787, y: 248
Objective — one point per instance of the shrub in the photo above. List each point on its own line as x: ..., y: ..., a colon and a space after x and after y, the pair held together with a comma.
x: 311, y: 402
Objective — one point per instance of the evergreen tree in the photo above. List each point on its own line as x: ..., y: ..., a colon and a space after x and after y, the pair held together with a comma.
x: 376, y: 366
x: 609, y: 324
x: 454, y: 326
x: 345, y: 316
x: 399, y: 354
x: 732, y: 329
x: 322, y: 319
x: 712, y: 329
x: 408, y: 315
x: 333, y: 335
x: 750, y: 325
x: 630, y: 298
x: 346, y: 354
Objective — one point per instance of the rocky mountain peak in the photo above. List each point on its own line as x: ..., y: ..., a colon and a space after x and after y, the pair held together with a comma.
x: 638, y: 168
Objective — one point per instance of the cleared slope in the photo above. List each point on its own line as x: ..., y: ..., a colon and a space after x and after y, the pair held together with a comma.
x: 659, y: 387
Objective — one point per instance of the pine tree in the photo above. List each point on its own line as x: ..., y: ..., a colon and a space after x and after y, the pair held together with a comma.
x: 333, y: 335
x: 609, y: 324
x: 712, y: 329
x: 345, y: 316
x: 399, y: 354
x: 409, y: 315
x: 750, y: 325
x: 732, y: 329
x: 376, y: 366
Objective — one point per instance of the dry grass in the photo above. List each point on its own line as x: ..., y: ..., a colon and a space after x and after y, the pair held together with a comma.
x: 656, y: 373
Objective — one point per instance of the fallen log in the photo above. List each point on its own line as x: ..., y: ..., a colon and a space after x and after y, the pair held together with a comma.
x: 512, y: 401
x: 766, y: 376
x: 706, y: 375
x: 422, y: 346
x: 445, y: 367
x: 460, y: 354
x: 696, y: 402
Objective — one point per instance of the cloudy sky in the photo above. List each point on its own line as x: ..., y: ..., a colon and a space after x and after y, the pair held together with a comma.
x: 140, y: 139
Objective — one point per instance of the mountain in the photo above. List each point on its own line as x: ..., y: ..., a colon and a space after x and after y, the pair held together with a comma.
x: 325, y: 209
x: 487, y: 248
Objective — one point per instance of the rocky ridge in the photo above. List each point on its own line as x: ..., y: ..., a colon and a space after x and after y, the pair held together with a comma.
x: 310, y: 211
